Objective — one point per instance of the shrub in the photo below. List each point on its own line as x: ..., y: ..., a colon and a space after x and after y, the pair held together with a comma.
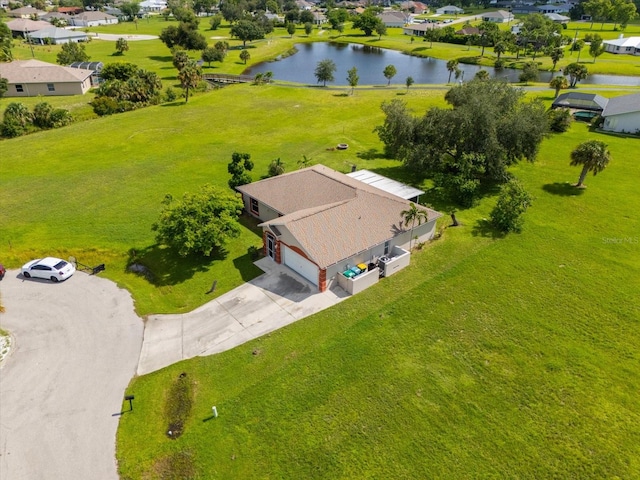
x: 513, y: 201
x: 559, y: 119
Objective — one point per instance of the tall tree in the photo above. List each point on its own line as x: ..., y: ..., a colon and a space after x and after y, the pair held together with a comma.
x: 499, y: 48
x: 389, y: 72
x: 180, y: 59
x: 408, y: 82
x: 512, y: 203
x: 200, y: 223
x: 575, y: 72
x: 6, y: 43
x: 130, y: 10
x: 412, y: 216
x: 122, y: 46
x: 556, y: 53
x: 622, y: 12
x: 189, y: 77
x: 381, y: 29
x: 247, y: 31
x: 4, y: 86
x: 245, y: 55
x: 593, y: 156
x: 367, y: 21
x: 452, y: 66
x: 353, y: 78
x: 72, y: 52
x: 211, y: 54
x: 596, y: 48
x: 324, y: 71
x: 558, y: 83
x: 239, y: 168
x: 291, y: 28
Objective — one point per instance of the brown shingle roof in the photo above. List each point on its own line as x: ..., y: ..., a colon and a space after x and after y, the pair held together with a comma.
x: 335, y: 216
x: 35, y: 71
x: 26, y: 25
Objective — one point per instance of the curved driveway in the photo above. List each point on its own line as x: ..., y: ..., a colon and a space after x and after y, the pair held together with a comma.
x: 75, y: 348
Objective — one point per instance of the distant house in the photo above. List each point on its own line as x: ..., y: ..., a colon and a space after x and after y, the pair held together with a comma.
x: 30, y: 78
x: 549, y: 9
x: 152, y: 6
x: 581, y: 101
x: 320, y: 223
x: 524, y: 9
x: 468, y: 31
x: 629, y: 45
x: 449, y: 10
x: 25, y: 12
x: 319, y: 18
x: 93, y: 19
x: 304, y: 5
x: 56, y: 36
x: 417, y: 8
x: 23, y: 26
x: 70, y: 10
x: 394, y: 19
x: 501, y: 16
x: 557, y: 18
x: 622, y: 114
x: 48, y: 17
x: 418, y: 29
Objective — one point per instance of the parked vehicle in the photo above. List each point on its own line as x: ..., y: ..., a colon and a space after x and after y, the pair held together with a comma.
x: 49, y: 268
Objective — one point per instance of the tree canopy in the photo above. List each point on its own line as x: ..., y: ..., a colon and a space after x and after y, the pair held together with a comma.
x: 200, y: 223
x: 72, y: 52
x: 247, y: 31
x: 185, y: 35
x: 6, y: 43
x: 367, y: 21
x: 489, y: 127
x: 593, y: 156
x: 325, y: 70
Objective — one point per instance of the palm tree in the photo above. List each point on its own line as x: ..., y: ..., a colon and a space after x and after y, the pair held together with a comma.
x: 593, y: 156
x: 413, y: 215
x: 452, y: 65
x: 558, y: 82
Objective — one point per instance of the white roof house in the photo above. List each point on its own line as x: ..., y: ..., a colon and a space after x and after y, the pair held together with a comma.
x: 149, y: 6
x: 622, y: 114
x: 57, y: 36
x: 449, y: 10
x: 92, y: 19
x: 501, y: 16
x: 557, y: 18
x: 394, y: 19
x: 629, y: 45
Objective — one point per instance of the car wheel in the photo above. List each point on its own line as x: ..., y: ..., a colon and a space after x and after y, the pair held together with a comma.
x: 26, y: 275
x: 54, y: 279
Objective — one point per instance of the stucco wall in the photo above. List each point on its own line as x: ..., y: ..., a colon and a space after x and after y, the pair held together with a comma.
x: 628, y: 122
x: 61, y: 89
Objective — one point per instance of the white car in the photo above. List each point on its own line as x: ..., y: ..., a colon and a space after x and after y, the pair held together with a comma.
x: 50, y: 268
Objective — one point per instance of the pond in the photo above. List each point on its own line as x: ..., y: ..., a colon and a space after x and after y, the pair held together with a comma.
x: 371, y: 61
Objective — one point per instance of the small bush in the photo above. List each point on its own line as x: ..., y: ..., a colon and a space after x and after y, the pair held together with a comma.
x: 513, y: 201
x: 559, y: 120
x: 499, y: 64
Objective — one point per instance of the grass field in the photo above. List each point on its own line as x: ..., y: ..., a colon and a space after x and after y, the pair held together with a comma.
x: 489, y: 357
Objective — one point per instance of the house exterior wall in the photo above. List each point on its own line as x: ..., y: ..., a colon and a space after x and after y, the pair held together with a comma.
x: 265, y: 213
x: 60, y: 89
x: 623, y: 123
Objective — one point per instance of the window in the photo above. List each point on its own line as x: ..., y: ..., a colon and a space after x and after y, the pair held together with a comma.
x: 254, y: 206
x: 19, y: 89
x: 51, y: 87
x: 386, y: 248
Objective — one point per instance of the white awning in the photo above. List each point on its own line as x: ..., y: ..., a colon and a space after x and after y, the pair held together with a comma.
x: 386, y: 184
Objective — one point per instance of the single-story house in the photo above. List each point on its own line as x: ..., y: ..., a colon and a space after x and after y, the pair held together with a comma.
x: 501, y: 16
x: 581, y: 101
x: 152, y: 6
x: 629, y: 45
x: 622, y: 114
x: 319, y: 18
x: 21, y: 26
x: 549, y: 9
x: 48, y: 17
x: 557, y: 18
x: 304, y: 5
x: 449, y: 10
x: 25, y: 12
x: 524, y: 9
x: 30, y: 78
x: 468, y: 31
x: 417, y: 29
x: 70, y: 10
x: 417, y: 8
x: 57, y: 36
x: 394, y: 19
x: 321, y: 223
x: 93, y: 19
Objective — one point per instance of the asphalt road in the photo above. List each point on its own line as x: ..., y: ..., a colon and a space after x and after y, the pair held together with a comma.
x: 75, y: 348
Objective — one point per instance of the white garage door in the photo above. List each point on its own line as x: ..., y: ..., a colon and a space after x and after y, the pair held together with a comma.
x: 300, y: 265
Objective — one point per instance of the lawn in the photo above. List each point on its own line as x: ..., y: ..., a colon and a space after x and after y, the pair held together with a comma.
x: 488, y: 357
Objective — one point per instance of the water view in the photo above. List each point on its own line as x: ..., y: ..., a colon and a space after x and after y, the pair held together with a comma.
x: 371, y: 61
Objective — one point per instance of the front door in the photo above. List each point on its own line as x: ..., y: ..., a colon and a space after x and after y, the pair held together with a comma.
x: 271, y: 247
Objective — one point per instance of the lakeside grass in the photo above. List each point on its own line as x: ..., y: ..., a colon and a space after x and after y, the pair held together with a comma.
x: 488, y: 357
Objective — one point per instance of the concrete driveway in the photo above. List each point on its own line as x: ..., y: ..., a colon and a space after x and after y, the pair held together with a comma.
x: 267, y: 303
x: 75, y: 348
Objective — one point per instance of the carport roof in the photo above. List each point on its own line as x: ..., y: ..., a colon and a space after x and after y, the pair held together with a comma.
x: 387, y: 184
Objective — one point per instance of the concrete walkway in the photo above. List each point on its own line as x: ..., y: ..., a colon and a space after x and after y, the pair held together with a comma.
x: 269, y: 302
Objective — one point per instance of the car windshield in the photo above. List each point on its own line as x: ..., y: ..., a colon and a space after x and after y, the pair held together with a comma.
x: 60, y: 264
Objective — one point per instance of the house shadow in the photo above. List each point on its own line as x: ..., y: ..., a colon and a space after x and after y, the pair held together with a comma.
x: 371, y: 154
x: 483, y: 228
x: 161, y: 58
x: 245, y: 265
x: 163, y: 266
x: 565, y: 189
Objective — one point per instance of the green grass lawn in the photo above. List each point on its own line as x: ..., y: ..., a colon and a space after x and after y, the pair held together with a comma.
x: 488, y: 357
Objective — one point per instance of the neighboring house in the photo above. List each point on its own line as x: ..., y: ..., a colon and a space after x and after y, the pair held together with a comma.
x: 23, y: 26
x: 152, y: 6
x: 95, y: 67
x: 70, y: 10
x: 501, y: 16
x: 449, y: 10
x: 57, y: 15
x: 524, y: 9
x: 394, y: 19
x: 622, y: 114
x: 416, y: 8
x: 581, y: 101
x: 468, y: 31
x: 418, y: 29
x: 25, y: 12
x: 320, y: 222
x: 57, y: 36
x: 319, y: 18
x: 549, y: 9
x: 557, y: 18
x: 629, y: 45
x: 304, y: 5
x: 93, y: 19
x: 30, y: 78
